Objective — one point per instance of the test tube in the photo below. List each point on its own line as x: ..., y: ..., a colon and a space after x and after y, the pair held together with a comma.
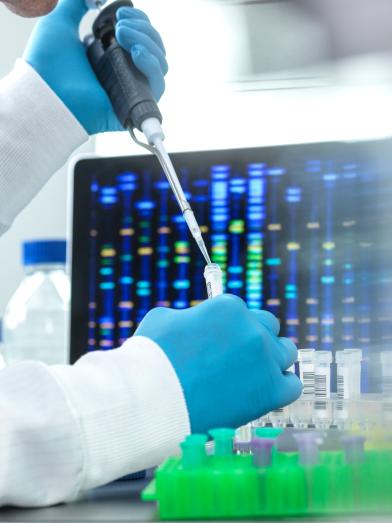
x: 279, y: 417
x: 355, y: 372
x: 306, y: 359
x: 322, y: 383
x: 348, y: 381
x: 348, y: 373
x: 386, y: 384
x: 386, y: 372
x: 242, y: 439
x: 213, y: 277
x: 301, y: 411
x: 354, y: 450
x: 262, y: 451
x: 308, y: 443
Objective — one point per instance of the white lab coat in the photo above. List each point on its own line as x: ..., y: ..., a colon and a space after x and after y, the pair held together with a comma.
x: 65, y: 429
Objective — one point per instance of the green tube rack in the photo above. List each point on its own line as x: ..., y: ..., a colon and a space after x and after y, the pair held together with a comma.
x: 225, y: 485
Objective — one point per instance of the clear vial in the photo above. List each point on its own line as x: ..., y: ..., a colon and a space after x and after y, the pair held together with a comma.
x: 306, y: 359
x: 386, y: 372
x: 34, y: 325
x: 355, y: 372
x: 213, y: 277
x: 386, y: 384
x: 322, y: 391
x: 348, y: 373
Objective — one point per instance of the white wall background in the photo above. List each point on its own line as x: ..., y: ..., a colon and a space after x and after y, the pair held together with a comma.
x: 45, y: 217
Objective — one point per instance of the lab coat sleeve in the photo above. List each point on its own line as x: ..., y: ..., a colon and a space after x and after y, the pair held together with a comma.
x: 37, y: 135
x: 68, y: 428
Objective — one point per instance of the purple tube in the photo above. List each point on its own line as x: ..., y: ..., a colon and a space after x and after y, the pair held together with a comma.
x: 262, y: 451
x: 308, y: 447
x: 354, y: 448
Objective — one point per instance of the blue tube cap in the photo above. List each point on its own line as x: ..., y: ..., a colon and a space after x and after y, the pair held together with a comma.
x: 36, y: 252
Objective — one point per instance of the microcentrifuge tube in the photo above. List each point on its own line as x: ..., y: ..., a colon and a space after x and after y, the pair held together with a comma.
x: 242, y: 439
x: 386, y: 384
x: 279, y: 417
x: 355, y: 372
x: 348, y: 384
x: 262, y: 451
x: 322, y: 388
x: 386, y: 372
x: 306, y: 372
x: 213, y: 277
x: 353, y: 445
x: 308, y: 443
x: 348, y: 373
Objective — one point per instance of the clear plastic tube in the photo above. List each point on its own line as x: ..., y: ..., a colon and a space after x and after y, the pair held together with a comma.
x: 348, y: 373
x: 348, y: 381
x: 322, y: 391
x: 306, y: 359
x: 386, y: 372
x: 213, y: 277
x: 356, y: 368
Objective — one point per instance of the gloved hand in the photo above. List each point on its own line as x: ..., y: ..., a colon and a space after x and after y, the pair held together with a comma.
x: 59, y: 57
x: 229, y: 360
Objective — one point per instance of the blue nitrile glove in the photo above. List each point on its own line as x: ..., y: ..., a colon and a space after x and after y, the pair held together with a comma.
x: 57, y: 54
x: 229, y: 360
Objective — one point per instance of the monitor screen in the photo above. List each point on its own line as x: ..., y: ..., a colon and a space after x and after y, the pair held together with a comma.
x: 303, y: 231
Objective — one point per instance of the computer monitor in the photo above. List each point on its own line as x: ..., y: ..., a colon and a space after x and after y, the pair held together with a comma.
x: 301, y: 230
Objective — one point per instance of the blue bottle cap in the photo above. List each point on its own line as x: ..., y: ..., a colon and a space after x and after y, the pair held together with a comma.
x: 36, y: 252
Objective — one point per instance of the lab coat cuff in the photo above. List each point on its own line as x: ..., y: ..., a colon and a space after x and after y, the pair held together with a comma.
x: 130, y: 407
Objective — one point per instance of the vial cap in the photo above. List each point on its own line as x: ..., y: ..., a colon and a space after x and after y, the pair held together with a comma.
x: 36, y: 252
x: 193, y: 450
x: 323, y: 356
x: 348, y: 356
x: 224, y: 441
x: 308, y: 443
x: 355, y: 353
x: 306, y: 355
x: 268, y: 432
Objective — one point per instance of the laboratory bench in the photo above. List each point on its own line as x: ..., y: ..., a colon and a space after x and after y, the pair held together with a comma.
x: 120, y: 502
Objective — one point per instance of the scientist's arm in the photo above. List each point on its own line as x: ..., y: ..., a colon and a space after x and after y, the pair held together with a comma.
x: 51, y: 102
x: 65, y: 429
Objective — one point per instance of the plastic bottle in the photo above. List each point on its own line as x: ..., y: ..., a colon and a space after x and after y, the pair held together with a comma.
x: 34, y: 325
x: 2, y: 361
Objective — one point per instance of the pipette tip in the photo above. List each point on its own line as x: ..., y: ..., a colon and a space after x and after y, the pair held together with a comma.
x: 203, y: 249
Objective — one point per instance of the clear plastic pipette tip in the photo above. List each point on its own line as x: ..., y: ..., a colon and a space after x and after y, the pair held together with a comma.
x: 153, y: 132
x: 203, y: 249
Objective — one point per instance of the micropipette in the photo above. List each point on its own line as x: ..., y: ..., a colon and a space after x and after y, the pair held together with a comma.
x: 133, y: 102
